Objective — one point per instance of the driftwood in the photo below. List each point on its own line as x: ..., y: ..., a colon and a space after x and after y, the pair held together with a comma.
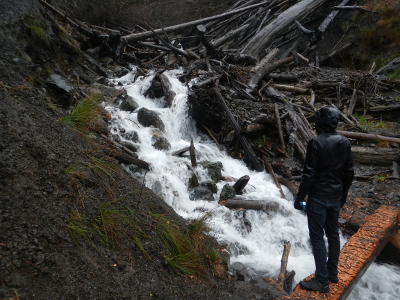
x: 368, y: 136
x: 279, y: 126
x: 375, y: 156
x: 328, y: 20
x: 192, y: 154
x: 394, y: 65
x: 298, y: 129
x: 290, y: 185
x: 283, y: 77
x: 271, y: 172
x: 296, y: 12
x: 290, y: 88
x: 248, y: 150
x: 282, y: 277
x: 262, y: 68
x: 266, y: 205
x: 180, y: 152
x: 240, y: 184
x: 126, y: 159
x: 147, y: 34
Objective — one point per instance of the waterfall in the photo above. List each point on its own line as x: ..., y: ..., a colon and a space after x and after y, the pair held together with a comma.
x: 260, y: 248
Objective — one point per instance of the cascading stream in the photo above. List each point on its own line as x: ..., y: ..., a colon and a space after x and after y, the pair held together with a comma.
x: 260, y: 248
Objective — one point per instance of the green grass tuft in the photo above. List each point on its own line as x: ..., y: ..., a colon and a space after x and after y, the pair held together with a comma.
x: 84, y: 113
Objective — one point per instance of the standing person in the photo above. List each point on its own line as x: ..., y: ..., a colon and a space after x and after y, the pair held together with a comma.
x: 327, y: 176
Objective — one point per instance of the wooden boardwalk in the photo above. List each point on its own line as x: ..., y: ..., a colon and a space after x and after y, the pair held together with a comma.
x: 357, y: 254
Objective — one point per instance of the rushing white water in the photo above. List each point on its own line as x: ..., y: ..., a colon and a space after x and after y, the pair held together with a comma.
x: 261, y: 248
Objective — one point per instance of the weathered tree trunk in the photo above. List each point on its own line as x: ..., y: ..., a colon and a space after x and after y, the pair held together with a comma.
x: 147, y: 34
x: 282, y: 273
x: 375, y: 156
x: 261, y: 40
x: 192, y: 154
x: 255, y: 163
x: 394, y: 65
x: 368, y: 136
x: 251, y: 204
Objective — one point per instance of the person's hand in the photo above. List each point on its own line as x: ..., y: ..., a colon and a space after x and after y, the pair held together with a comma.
x: 297, y: 204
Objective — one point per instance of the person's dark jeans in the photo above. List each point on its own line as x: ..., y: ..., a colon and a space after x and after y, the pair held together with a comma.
x: 323, y: 215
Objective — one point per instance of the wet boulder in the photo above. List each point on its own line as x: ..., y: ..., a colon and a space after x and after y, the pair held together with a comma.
x: 214, y: 169
x: 201, y: 193
x: 131, y: 136
x: 128, y: 104
x: 62, y: 87
x: 228, y: 192
x: 148, y: 118
x: 209, y: 184
x: 159, y: 141
x: 193, y: 181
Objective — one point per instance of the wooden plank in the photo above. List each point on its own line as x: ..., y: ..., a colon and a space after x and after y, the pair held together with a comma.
x: 357, y: 255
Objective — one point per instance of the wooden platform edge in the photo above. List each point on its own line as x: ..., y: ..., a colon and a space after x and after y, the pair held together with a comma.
x: 357, y: 255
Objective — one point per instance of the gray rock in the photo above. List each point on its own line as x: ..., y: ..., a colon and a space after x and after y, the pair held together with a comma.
x: 193, y: 181
x: 157, y: 188
x: 131, y: 136
x: 228, y: 192
x: 214, y: 169
x: 201, y: 193
x: 60, y: 84
x: 159, y: 141
x: 128, y: 104
x: 209, y: 184
x: 149, y: 118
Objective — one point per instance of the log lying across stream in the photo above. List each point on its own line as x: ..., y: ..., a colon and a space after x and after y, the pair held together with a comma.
x: 357, y: 254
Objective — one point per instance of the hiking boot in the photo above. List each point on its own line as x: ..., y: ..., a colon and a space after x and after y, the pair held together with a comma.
x: 333, y: 278
x: 314, y: 285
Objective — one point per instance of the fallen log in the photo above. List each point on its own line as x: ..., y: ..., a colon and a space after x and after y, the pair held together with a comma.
x: 265, y: 36
x: 290, y: 88
x: 279, y: 126
x: 328, y: 20
x: 368, y: 136
x: 255, y: 163
x: 375, y: 156
x: 394, y: 65
x: 147, y: 34
x: 273, y: 176
x: 260, y: 69
x: 266, y: 205
x: 180, y: 152
x: 357, y: 255
x: 192, y: 154
x: 126, y: 159
x: 283, y: 271
x: 283, y: 77
x: 290, y: 185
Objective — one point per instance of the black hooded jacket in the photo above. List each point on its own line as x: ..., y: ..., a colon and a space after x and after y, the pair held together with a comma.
x: 328, y: 168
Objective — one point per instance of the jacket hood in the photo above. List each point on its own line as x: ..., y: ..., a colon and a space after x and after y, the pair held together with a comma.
x: 326, y: 119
